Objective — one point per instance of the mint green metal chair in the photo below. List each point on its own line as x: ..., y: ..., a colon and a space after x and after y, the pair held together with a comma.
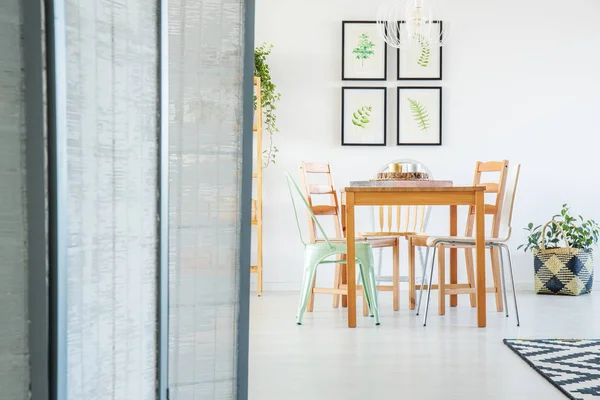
x: 318, y: 253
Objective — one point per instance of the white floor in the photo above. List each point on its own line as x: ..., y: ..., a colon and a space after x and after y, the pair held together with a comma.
x: 449, y: 359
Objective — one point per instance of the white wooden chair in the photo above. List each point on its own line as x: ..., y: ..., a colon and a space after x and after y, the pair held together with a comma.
x: 399, y: 221
x: 441, y: 243
x: 492, y: 175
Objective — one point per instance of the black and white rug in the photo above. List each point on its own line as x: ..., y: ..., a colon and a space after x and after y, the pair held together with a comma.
x: 573, y: 366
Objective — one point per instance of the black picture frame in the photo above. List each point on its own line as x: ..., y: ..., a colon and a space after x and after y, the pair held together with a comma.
x: 399, y: 116
x: 398, y: 63
x: 345, y: 75
x: 383, y: 89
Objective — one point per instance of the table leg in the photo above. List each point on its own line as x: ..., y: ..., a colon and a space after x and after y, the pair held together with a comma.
x: 344, y: 281
x: 480, y: 254
x: 453, y: 254
x: 351, y: 261
x: 396, y: 275
x: 411, y: 275
x: 441, y: 280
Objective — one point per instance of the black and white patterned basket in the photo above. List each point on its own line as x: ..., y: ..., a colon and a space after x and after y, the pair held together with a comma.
x: 563, y: 270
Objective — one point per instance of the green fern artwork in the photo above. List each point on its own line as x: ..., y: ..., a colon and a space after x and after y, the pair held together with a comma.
x: 425, y: 55
x: 364, y: 50
x: 420, y: 114
x: 362, y: 117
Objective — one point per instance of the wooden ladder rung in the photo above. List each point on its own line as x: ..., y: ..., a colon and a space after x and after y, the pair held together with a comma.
x: 325, y: 210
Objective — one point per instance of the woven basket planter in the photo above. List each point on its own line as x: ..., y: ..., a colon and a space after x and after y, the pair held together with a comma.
x: 564, y: 270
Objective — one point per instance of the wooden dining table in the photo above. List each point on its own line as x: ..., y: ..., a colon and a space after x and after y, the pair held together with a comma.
x: 453, y: 196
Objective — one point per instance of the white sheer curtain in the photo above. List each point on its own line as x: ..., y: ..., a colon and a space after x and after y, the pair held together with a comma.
x: 206, y: 65
x: 111, y: 69
x: 14, y: 350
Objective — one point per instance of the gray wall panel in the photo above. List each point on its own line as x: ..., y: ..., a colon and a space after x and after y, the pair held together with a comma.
x: 206, y: 57
x: 14, y: 368
x: 112, y: 175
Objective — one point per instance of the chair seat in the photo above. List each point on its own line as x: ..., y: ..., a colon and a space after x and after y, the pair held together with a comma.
x: 460, y: 240
x: 377, y: 234
x: 375, y: 242
x: 339, y: 246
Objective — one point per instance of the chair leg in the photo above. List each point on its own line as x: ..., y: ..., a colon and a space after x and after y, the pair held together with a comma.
x: 503, y: 279
x: 396, y: 275
x: 442, y: 280
x: 311, y: 295
x: 470, y: 274
x: 374, y: 300
x: 429, y: 284
x: 344, y: 281
x: 411, y: 275
x: 494, y: 251
x: 379, y: 261
x: 364, y: 301
x: 336, y: 283
x: 311, y: 261
x: 365, y: 258
x: 424, y: 278
x: 512, y: 278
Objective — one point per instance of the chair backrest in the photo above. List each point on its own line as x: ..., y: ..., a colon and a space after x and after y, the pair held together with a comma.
x: 294, y: 189
x: 512, y: 180
x: 497, y: 188
x: 401, y: 219
x: 326, y: 190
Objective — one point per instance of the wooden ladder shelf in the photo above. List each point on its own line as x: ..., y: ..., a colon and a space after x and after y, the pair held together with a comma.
x: 257, y: 177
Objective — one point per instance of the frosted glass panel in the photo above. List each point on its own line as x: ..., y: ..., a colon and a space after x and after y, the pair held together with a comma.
x: 206, y: 49
x: 14, y: 367
x: 112, y: 184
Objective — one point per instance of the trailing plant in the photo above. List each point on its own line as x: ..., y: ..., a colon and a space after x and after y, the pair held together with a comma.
x: 362, y: 116
x: 269, y: 98
x: 420, y: 114
x: 580, y: 233
x: 423, y: 60
x: 365, y: 48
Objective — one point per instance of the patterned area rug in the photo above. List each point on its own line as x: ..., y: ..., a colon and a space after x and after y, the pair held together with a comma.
x: 573, y: 366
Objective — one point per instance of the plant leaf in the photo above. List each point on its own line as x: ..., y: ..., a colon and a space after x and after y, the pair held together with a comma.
x: 423, y: 60
x: 360, y: 117
x: 420, y: 114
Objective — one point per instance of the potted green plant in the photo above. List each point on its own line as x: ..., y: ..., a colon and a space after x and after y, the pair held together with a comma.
x: 563, y: 270
x: 269, y: 98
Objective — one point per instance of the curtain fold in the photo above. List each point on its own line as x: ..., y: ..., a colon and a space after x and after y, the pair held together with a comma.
x: 206, y: 47
x: 14, y: 349
x: 112, y: 133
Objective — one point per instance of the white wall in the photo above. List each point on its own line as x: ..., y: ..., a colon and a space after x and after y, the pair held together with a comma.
x: 521, y: 82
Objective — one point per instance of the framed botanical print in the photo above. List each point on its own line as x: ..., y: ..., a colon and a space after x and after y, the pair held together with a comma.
x: 419, y: 116
x: 364, y: 52
x: 423, y: 61
x: 364, y: 116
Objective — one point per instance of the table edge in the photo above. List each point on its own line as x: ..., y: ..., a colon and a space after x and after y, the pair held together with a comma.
x: 413, y: 189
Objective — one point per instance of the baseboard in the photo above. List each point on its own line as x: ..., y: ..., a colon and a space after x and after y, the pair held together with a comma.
x: 525, y: 286
x: 279, y: 287
x: 295, y: 286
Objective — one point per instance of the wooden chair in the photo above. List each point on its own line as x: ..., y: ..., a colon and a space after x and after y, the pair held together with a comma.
x: 494, y: 209
x: 331, y: 208
x: 399, y: 221
x: 498, y: 242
